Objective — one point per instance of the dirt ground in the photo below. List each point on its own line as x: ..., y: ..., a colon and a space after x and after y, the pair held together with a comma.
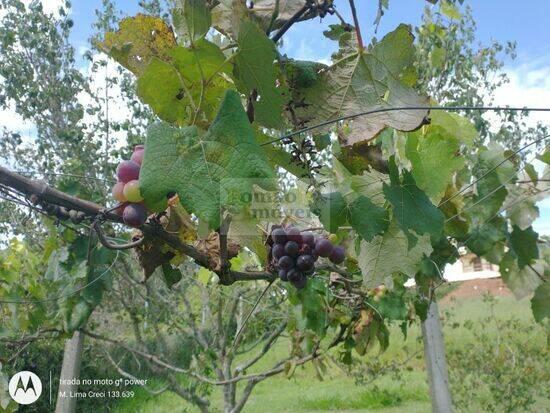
x: 476, y: 288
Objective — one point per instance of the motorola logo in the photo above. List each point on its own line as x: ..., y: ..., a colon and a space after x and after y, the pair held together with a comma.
x: 25, y: 387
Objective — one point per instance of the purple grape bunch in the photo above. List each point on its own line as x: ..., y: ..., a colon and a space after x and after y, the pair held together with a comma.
x: 294, y: 253
x: 127, y: 192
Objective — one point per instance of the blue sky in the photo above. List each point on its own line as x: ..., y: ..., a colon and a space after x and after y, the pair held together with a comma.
x: 526, y: 22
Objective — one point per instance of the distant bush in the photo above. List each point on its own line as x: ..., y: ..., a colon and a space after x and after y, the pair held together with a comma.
x: 504, y: 369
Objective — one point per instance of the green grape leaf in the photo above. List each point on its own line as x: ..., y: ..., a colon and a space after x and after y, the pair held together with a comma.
x: 331, y: 209
x: 545, y: 157
x: 279, y: 157
x: 191, y: 19
x: 452, y: 124
x: 492, y: 172
x: 521, y: 282
x: 366, y: 80
x: 434, y: 158
x: 161, y: 87
x: 392, y: 307
x: 485, y: 235
x: 55, y: 271
x: 411, y: 206
x: 322, y: 141
x: 520, y: 207
x: 201, y: 61
x: 389, y: 253
x: 98, y: 276
x: 540, y: 302
x: 367, y: 218
x: 363, y: 156
x: 370, y: 184
x: 203, y: 69
x: 77, y: 315
x: 524, y: 244
x: 255, y: 69
x: 171, y: 275
x: 137, y: 41
x: 226, y: 160
x: 309, y: 306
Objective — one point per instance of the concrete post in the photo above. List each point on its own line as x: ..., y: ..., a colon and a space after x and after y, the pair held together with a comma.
x: 436, y: 364
x: 69, y: 370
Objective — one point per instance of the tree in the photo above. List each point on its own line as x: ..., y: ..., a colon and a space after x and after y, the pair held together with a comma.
x: 456, y: 72
x: 404, y: 188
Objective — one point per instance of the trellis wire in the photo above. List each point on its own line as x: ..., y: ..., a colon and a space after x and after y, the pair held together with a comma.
x: 396, y: 108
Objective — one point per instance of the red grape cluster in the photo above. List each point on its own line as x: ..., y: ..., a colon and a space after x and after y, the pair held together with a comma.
x: 294, y: 253
x: 126, y: 190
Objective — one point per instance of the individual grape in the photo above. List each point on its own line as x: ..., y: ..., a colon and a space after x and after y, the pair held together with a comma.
x: 137, y: 156
x: 308, y: 238
x: 118, y: 192
x: 294, y: 275
x: 279, y: 235
x: 132, y: 192
x: 285, y: 262
x: 292, y: 248
x: 305, y: 262
x: 333, y: 238
x: 278, y: 251
x: 134, y: 215
x: 294, y: 234
x: 283, y: 275
x: 338, y: 255
x: 305, y: 249
x: 300, y: 283
x: 127, y: 171
x: 323, y: 247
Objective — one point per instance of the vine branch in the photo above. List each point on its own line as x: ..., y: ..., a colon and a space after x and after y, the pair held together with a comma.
x: 277, y: 36
x: 356, y: 24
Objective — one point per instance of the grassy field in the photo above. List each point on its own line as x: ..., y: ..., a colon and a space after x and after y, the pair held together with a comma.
x: 337, y: 392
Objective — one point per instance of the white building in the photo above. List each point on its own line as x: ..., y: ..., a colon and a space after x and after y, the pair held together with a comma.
x: 470, y: 267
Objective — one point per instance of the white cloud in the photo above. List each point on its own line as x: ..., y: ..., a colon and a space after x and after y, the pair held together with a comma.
x: 13, y: 122
x: 50, y: 6
x: 529, y: 86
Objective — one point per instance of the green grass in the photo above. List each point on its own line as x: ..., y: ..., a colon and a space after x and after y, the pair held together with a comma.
x: 337, y: 392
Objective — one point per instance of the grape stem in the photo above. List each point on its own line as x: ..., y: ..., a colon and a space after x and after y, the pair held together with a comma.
x: 356, y: 23
x: 114, y: 246
x: 224, y: 230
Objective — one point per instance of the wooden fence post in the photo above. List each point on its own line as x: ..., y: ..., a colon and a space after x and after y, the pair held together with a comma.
x: 70, y: 369
x: 436, y: 364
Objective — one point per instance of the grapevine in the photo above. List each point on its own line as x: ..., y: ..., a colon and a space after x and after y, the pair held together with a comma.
x: 234, y: 116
